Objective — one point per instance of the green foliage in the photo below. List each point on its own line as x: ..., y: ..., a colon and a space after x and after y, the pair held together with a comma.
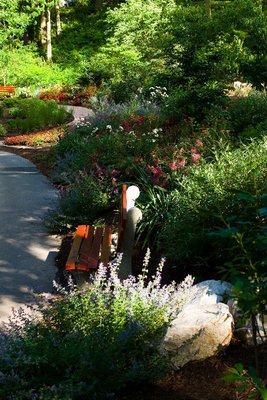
x: 23, y: 66
x: 27, y: 115
x: 93, y: 342
x: 154, y: 205
x: 196, y: 101
x: 207, y: 192
x: 83, y: 32
x: 105, y: 141
x: 247, y: 381
x: 110, y: 146
x: 132, y: 52
x: 248, y: 113
x: 244, y: 236
x: 2, y: 130
x: 13, y: 22
x: 82, y: 203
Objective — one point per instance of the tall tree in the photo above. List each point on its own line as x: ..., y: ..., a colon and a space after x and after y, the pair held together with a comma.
x: 48, y: 35
x: 58, y: 18
x: 41, y: 12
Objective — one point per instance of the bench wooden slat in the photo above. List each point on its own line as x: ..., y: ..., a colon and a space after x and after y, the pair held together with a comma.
x: 89, y: 260
x: 94, y: 257
x: 106, y: 244
x: 86, y: 246
x: 74, y: 252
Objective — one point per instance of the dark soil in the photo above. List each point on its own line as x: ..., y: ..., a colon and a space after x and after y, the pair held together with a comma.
x: 195, y: 381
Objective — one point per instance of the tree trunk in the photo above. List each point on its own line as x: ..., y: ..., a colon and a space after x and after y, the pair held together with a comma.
x: 48, y: 36
x: 208, y: 7
x: 99, y: 4
x: 42, y: 32
x: 58, y: 21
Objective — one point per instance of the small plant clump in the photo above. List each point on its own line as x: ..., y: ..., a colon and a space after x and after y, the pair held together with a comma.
x: 31, y: 114
x: 247, y: 382
x: 91, y: 342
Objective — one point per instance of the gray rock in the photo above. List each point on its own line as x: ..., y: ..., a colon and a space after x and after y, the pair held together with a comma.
x: 245, y: 333
x: 209, y: 292
x: 198, y: 332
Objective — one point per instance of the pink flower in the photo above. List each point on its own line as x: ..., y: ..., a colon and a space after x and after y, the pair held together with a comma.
x: 173, y: 166
x: 196, y: 156
x: 156, y: 171
x: 115, y: 172
x: 99, y: 171
x: 199, y: 143
x: 181, y: 164
x: 194, y: 150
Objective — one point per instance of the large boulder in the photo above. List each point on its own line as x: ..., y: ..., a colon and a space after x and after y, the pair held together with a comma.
x: 209, y: 292
x: 198, y: 332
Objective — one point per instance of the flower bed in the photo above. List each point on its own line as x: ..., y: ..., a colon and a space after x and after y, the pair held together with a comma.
x: 49, y: 136
x: 70, y: 95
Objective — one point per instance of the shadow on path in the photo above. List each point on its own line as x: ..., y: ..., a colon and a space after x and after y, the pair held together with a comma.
x: 26, y: 250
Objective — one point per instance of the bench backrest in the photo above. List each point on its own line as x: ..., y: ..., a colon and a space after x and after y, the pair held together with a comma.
x: 7, y: 89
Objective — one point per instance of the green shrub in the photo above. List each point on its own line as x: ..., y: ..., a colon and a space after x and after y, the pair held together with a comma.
x: 2, y: 130
x: 31, y: 114
x: 82, y: 203
x: 241, y: 231
x: 206, y: 192
x: 91, y: 343
x: 196, y: 101
x: 246, y: 113
x: 10, y: 102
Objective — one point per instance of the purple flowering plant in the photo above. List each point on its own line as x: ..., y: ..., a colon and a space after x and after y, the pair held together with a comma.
x: 91, y: 341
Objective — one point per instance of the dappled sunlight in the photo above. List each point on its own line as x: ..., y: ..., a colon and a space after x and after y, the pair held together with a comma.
x: 26, y: 251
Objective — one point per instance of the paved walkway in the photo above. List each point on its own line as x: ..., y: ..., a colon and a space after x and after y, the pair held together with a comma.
x: 27, y: 252
x: 79, y: 113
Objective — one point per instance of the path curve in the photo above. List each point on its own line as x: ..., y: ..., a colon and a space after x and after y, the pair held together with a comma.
x: 79, y: 113
x: 27, y: 252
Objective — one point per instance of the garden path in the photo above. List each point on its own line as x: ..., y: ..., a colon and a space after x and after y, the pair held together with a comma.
x: 26, y: 250
x: 79, y: 113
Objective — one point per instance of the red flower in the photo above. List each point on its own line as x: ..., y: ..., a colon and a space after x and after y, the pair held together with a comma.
x: 173, y: 166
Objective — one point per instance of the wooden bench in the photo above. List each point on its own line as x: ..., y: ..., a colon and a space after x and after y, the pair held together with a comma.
x: 7, y: 89
x: 92, y: 245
